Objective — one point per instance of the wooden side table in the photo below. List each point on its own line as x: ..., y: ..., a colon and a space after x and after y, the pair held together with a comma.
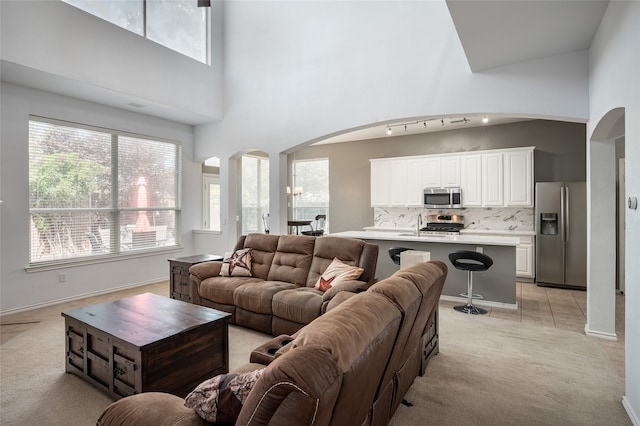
x: 179, y: 274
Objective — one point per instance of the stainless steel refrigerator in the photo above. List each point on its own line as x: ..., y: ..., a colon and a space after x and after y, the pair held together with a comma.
x: 561, y: 234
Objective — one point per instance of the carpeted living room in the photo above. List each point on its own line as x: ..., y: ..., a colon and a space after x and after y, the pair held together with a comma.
x: 489, y: 371
x: 137, y: 135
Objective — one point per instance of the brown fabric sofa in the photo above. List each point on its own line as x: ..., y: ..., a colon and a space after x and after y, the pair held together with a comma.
x: 350, y: 366
x: 279, y: 297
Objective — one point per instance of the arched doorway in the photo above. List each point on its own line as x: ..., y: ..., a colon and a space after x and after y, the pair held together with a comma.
x: 601, y: 224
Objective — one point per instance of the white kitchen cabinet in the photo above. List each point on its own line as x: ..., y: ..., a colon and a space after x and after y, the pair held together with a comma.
x: 525, y: 250
x: 380, y: 183
x: 492, y: 180
x: 471, y: 180
x: 431, y: 172
x: 414, y: 188
x: 398, y: 190
x: 450, y: 171
x: 518, y: 178
x: 525, y: 257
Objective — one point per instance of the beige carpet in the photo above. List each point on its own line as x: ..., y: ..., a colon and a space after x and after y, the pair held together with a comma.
x: 489, y: 372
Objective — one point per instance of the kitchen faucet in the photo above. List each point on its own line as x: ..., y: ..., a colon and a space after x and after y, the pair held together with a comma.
x: 419, y: 224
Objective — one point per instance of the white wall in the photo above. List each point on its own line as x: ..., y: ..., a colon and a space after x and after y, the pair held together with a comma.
x: 21, y: 289
x: 298, y: 71
x: 68, y: 43
x: 614, y: 68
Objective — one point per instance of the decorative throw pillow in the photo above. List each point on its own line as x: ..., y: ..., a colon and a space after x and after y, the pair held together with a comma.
x: 238, y: 264
x: 220, y: 399
x: 337, y: 272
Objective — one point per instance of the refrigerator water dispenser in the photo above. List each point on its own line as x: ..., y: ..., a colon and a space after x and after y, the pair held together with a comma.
x: 549, y: 223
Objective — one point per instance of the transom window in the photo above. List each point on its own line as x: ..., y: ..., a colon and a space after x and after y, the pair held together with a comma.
x: 98, y: 193
x: 179, y: 25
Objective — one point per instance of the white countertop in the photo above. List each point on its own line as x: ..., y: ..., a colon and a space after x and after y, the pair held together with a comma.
x: 404, y: 230
x: 497, y: 232
x: 489, y: 240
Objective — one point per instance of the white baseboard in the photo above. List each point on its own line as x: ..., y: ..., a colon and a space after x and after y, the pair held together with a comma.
x: 629, y: 409
x: 80, y: 296
x: 481, y: 302
x: 600, y: 334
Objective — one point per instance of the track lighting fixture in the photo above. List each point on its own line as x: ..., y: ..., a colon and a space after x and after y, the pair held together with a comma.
x: 450, y: 120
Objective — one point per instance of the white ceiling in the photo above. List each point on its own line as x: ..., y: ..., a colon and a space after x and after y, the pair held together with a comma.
x: 415, y: 126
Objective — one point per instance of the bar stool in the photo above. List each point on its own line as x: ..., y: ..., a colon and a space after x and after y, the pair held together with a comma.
x: 470, y: 261
x: 394, y: 253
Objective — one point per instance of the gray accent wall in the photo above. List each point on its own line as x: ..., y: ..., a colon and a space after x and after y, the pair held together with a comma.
x: 560, y: 155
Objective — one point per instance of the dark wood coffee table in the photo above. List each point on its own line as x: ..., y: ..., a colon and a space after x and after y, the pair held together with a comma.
x: 146, y: 343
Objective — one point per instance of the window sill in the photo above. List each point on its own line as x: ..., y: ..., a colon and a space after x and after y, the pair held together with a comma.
x: 71, y: 263
x: 206, y: 231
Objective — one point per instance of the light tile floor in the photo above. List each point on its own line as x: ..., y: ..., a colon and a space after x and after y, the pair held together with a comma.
x: 560, y: 308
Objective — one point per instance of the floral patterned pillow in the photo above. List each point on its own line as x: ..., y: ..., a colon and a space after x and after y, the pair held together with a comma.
x: 237, y: 264
x: 220, y: 399
x: 337, y: 272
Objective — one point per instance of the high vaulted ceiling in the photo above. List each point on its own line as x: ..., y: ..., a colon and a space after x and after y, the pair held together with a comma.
x: 497, y: 33
x: 492, y: 33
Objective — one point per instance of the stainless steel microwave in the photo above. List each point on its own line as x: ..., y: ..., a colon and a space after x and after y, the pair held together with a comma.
x: 442, y: 198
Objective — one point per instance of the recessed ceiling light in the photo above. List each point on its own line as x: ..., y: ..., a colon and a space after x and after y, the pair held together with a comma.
x: 485, y: 119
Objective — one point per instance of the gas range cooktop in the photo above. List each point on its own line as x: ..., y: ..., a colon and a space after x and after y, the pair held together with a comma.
x: 443, y: 224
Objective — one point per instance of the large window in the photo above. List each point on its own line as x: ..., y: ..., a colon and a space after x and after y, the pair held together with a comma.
x: 255, y: 193
x: 177, y: 24
x: 311, y: 189
x: 99, y: 193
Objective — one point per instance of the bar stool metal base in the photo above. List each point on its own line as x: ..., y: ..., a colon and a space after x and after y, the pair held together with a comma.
x: 470, y: 309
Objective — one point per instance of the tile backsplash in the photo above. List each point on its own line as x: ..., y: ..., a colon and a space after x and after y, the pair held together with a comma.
x: 494, y: 219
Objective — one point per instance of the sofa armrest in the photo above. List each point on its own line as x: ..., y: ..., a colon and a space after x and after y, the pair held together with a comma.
x: 150, y: 408
x: 267, y: 352
x: 205, y: 270
x: 352, y: 286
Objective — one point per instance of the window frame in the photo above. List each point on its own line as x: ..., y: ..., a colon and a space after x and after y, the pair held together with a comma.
x: 209, y: 179
x: 145, y: 24
x: 260, y: 194
x: 295, y: 207
x: 116, y: 208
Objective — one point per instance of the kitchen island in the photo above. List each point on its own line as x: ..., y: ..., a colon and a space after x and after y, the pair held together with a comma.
x: 497, y: 285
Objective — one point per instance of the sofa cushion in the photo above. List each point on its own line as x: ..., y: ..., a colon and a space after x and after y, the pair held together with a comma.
x: 359, y: 334
x: 263, y: 249
x: 220, y: 289
x: 337, y: 272
x: 237, y: 264
x: 301, y: 305
x: 326, y: 249
x: 220, y: 398
x: 257, y: 296
x: 292, y: 259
